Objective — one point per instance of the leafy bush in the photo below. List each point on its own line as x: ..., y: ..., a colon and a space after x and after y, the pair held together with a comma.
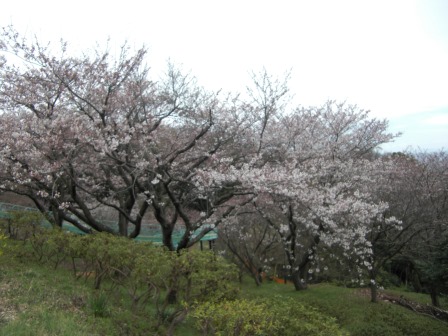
x: 2, y: 243
x: 297, y: 319
x: 238, y: 317
x: 277, y: 316
x: 203, y: 276
x: 51, y: 245
x: 181, y: 278
x: 21, y: 225
x: 148, y: 273
x: 105, y: 256
x: 57, y: 245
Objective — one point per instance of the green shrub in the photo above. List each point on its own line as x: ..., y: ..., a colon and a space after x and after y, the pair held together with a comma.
x: 172, y: 282
x: 277, y: 316
x: 105, y: 256
x: 175, y: 281
x: 57, y: 245
x: 238, y: 317
x: 51, y: 245
x: 2, y: 243
x: 38, y: 244
x: 297, y: 319
x: 203, y: 276
x: 150, y: 276
x: 21, y: 225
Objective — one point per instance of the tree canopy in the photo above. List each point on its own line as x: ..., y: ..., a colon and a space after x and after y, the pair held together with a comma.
x: 95, y: 132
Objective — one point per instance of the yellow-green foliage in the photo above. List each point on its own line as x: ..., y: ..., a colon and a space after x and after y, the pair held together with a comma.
x: 2, y: 243
x: 298, y: 319
x: 22, y: 224
x: 171, y: 281
x: 277, y: 316
x: 201, y: 275
x: 238, y: 317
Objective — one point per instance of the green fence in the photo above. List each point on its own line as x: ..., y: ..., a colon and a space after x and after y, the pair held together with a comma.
x: 150, y: 232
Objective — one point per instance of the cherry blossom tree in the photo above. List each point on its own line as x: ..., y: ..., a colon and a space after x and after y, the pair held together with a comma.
x: 250, y: 243
x: 80, y: 133
x: 84, y: 133
x: 316, y: 186
x: 391, y: 234
x: 422, y: 205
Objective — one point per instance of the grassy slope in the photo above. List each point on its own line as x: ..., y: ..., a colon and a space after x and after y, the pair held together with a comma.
x: 418, y: 297
x: 36, y: 300
x: 354, y: 312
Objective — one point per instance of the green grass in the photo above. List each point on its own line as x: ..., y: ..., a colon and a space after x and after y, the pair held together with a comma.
x: 38, y: 300
x: 354, y: 311
x: 417, y: 297
x: 46, y: 322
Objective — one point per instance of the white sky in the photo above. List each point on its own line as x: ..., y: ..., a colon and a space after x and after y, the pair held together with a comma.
x: 390, y: 56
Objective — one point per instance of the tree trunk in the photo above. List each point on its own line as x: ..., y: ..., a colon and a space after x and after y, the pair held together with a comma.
x: 57, y: 216
x: 171, y: 297
x: 373, y: 287
x: 434, y: 296
x: 297, y: 277
x: 137, y: 229
x: 373, y: 293
x: 240, y: 275
x: 123, y: 225
x: 167, y: 232
x: 257, y: 277
x: 416, y: 282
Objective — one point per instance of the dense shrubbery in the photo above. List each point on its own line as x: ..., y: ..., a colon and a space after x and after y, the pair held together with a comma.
x: 21, y: 225
x: 172, y: 282
x: 2, y: 238
x: 238, y: 317
x: 263, y: 317
x: 135, y: 278
x: 201, y: 283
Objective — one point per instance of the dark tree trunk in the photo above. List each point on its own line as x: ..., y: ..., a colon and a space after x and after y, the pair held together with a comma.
x: 138, y: 223
x: 57, y: 216
x: 297, y: 277
x: 167, y: 232
x: 171, y: 297
x: 123, y: 224
x: 416, y: 282
x: 136, y: 232
x: 373, y: 293
x: 434, y: 296
x: 257, y: 277
x: 373, y: 286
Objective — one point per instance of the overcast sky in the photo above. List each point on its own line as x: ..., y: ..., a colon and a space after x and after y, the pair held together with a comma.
x: 390, y: 57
